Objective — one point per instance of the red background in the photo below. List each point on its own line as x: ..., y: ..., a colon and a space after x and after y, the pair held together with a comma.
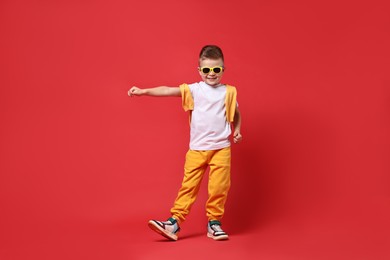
x: 83, y: 166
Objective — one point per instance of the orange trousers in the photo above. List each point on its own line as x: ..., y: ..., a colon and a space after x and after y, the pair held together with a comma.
x: 218, y: 184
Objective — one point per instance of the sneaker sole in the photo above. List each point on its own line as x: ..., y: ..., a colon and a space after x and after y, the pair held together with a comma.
x: 155, y: 227
x: 218, y: 238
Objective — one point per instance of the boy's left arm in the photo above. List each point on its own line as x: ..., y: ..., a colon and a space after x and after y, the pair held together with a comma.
x: 237, y: 137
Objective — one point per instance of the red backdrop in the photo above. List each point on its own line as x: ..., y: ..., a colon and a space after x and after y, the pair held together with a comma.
x: 83, y: 166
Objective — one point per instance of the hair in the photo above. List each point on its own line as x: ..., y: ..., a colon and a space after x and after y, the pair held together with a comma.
x: 211, y: 52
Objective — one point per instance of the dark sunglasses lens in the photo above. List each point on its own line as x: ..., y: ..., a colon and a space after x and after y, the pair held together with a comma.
x: 217, y: 70
x: 205, y: 70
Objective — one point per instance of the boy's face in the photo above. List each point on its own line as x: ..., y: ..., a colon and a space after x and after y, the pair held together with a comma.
x: 209, y: 75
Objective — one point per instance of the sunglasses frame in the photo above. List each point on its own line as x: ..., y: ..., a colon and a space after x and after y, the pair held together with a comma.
x: 212, y: 69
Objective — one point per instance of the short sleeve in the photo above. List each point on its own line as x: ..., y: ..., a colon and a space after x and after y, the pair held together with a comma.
x: 187, y: 100
x: 230, y: 102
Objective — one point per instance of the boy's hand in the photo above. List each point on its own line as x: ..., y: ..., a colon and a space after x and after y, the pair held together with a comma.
x: 237, y: 137
x: 134, y: 91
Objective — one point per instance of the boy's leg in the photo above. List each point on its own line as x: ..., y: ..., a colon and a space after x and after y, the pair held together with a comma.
x: 219, y: 184
x: 194, y: 168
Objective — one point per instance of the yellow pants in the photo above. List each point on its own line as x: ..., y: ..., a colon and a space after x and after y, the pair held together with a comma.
x: 218, y: 185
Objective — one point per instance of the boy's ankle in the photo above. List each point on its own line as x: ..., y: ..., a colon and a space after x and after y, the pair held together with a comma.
x: 173, y: 220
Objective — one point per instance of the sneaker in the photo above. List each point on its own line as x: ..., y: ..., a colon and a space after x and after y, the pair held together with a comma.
x: 215, y: 231
x: 168, y: 229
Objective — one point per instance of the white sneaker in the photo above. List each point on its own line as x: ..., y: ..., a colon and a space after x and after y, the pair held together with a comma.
x: 215, y: 231
x: 168, y: 229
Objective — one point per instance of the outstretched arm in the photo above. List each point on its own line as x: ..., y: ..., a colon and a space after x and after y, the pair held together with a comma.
x: 162, y: 91
x: 237, y: 137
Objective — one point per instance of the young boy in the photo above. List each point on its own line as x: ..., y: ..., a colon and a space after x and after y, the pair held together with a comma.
x: 212, y: 108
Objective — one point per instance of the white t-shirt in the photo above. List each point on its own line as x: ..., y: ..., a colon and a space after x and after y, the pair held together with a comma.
x: 209, y: 127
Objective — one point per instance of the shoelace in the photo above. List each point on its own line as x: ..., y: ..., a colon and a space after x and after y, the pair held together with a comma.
x: 216, y: 227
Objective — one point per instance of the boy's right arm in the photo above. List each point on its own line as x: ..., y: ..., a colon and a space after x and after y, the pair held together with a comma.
x: 162, y: 91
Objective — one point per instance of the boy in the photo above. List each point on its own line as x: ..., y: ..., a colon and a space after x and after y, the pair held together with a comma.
x: 212, y: 108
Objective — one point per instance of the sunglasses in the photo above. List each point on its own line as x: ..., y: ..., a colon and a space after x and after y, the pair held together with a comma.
x: 207, y: 70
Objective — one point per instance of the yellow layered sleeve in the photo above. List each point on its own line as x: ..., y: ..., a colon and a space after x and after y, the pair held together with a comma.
x: 186, y: 97
x: 230, y: 102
